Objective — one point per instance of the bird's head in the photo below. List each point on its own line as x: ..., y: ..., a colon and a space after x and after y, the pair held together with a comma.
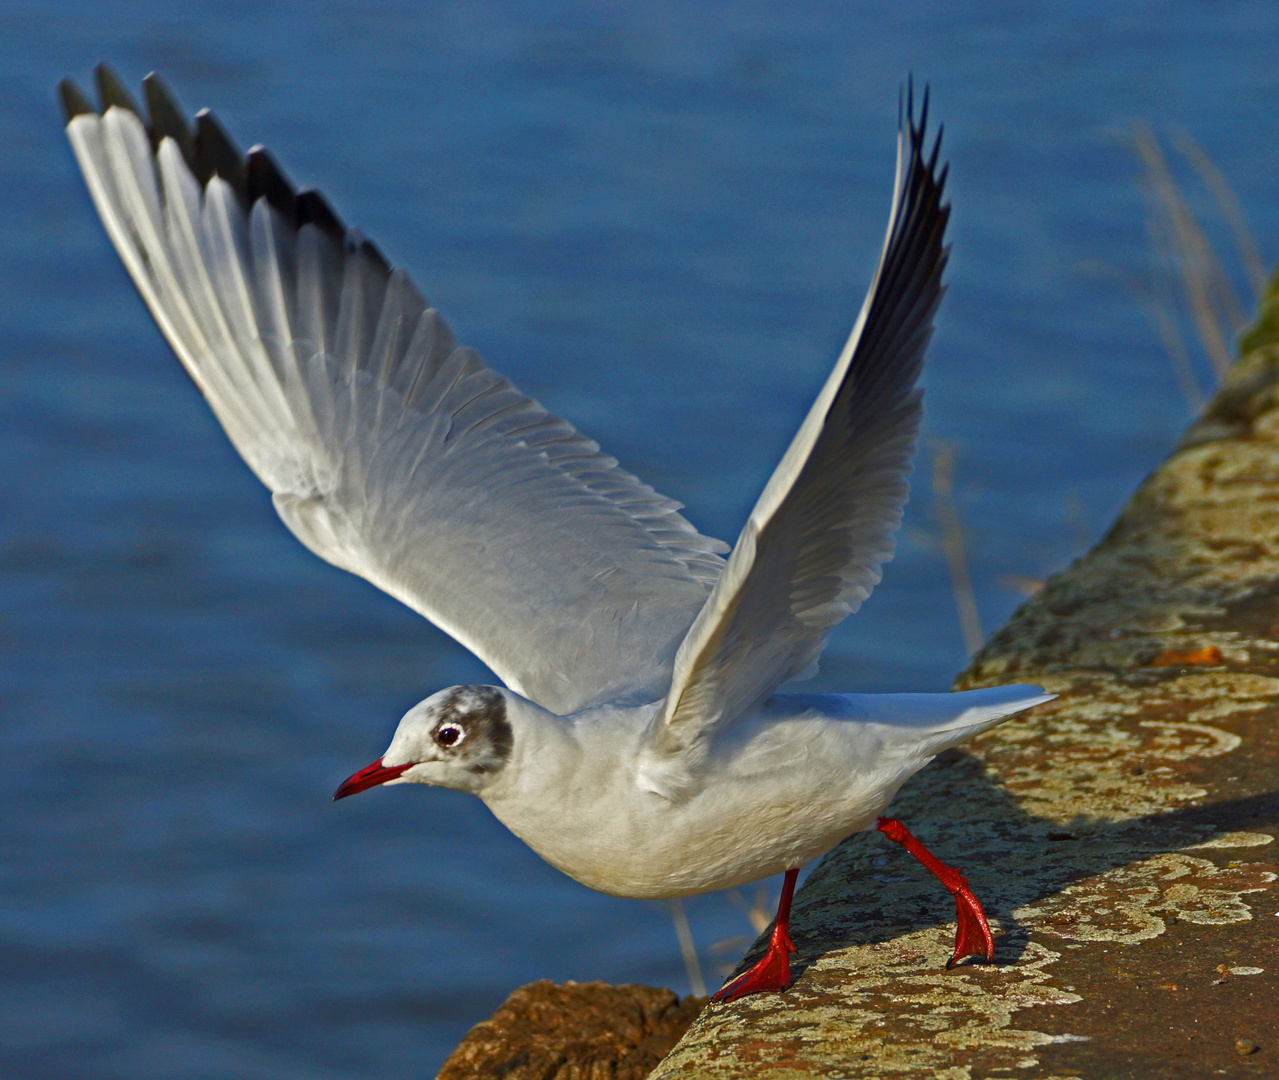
x: 459, y: 738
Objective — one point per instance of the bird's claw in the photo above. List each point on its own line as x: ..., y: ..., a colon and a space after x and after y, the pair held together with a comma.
x: 972, y: 935
x: 770, y: 972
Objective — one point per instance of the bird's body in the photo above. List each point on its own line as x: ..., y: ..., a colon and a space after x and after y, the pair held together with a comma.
x: 640, y: 743
x: 779, y: 788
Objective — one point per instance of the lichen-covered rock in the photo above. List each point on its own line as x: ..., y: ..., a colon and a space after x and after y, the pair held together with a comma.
x: 578, y: 1031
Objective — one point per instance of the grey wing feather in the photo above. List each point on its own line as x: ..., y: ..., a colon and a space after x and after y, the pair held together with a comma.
x: 390, y: 450
x: 812, y: 550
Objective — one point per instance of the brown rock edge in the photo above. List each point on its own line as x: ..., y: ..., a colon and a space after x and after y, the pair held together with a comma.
x: 1121, y: 838
x: 578, y: 1030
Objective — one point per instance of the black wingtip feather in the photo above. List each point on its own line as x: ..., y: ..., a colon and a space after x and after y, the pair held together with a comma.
x: 371, y: 251
x: 932, y: 158
x: 168, y: 121
x: 74, y: 101
x: 917, y: 132
x: 111, y: 91
x: 314, y: 210
x: 217, y: 155
x: 267, y: 181
x: 209, y: 151
x: 916, y: 129
x: 909, y: 289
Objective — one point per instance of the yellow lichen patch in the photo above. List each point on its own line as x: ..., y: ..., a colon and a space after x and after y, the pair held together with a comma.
x: 1178, y: 741
x: 1133, y: 903
x: 1234, y: 840
x: 842, y: 1004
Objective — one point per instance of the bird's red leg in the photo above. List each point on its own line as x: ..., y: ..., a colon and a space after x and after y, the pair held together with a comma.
x: 972, y: 937
x: 772, y: 970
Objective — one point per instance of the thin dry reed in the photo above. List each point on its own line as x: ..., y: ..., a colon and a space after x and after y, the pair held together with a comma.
x: 952, y: 545
x: 1188, y: 279
x: 687, y: 948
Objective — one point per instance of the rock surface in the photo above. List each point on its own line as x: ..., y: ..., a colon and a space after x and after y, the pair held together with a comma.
x: 578, y: 1031
x: 1121, y: 838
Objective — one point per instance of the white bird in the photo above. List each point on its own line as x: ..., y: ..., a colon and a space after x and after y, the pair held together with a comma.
x: 638, y: 743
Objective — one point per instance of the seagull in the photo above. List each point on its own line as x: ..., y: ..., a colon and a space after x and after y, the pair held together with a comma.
x: 638, y: 743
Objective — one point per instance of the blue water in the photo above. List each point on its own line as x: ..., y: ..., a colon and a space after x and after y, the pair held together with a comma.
x: 659, y: 219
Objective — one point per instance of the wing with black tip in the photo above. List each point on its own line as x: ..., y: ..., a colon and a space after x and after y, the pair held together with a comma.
x: 389, y: 449
x: 813, y: 547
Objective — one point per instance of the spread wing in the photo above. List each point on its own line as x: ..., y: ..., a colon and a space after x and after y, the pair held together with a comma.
x: 812, y: 549
x: 389, y: 450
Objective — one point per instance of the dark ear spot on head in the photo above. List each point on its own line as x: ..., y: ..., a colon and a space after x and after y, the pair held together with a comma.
x: 499, y: 732
x: 473, y: 728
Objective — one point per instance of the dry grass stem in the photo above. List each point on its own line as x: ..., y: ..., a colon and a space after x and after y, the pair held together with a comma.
x: 687, y: 948
x: 952, y: 542
x: 1160, y: 310
x: 759, y: 911
x: 1230, y: 207
x: 1157, y: 299
x: 1021, y: 583
x: 1184, y: 252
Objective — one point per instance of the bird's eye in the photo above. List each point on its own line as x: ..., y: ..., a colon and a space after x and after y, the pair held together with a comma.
x: 450, y: 734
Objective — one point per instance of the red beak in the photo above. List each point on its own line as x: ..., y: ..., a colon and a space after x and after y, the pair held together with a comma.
x: 367, y: 777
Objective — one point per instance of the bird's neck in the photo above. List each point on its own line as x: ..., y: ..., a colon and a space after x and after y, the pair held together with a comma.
x: 545, y: 751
